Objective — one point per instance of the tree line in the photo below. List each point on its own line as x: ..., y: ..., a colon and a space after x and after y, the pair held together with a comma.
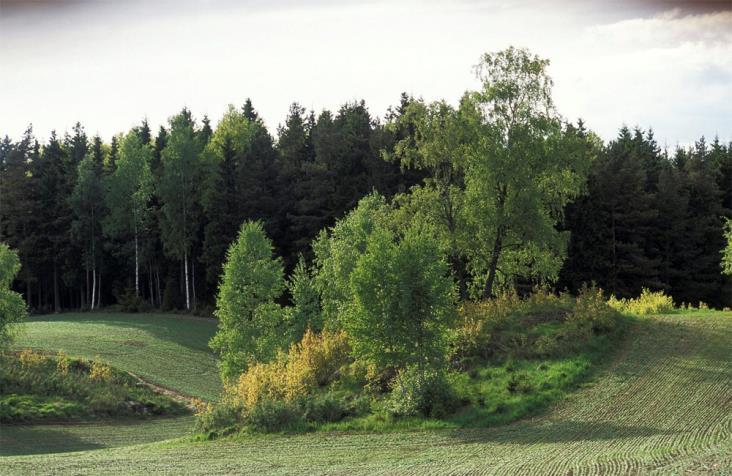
x: 515, y: 195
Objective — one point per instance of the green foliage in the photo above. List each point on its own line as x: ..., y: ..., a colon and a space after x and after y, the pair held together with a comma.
x: 35, y: 387
x: 403, y: 301
x: 419, y: 393
x: 649, y: 302
x: 727, y: 251
x: 503, y: 166
x: 250, y: 322
x: 542, y: 325
x: 337, y: 252
x: 305, y: 312
x: 12, y: 306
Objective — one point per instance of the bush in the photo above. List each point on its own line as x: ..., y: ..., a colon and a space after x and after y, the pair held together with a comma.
x: 100, y: 371
x: 648, y: 302
x: 275, y: 415
x: 312, y: 362
x: 591, y: 310
x: 131, y: 301
x: 425, y: 393
x: 218, y: 420
x: 541, y: 325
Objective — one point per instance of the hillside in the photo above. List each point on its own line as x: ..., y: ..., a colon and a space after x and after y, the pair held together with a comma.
x: 663, y: 405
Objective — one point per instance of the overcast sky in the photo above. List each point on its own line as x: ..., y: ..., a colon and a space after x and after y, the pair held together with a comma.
x: 663, y: 64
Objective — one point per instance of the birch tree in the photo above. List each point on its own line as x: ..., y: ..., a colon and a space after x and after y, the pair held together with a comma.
x: 179, y: 191
x: 129, y: 190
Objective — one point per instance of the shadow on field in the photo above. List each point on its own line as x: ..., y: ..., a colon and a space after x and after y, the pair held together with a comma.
x: 40, y: 439
x: 556, y: 432
x: 189, y: 331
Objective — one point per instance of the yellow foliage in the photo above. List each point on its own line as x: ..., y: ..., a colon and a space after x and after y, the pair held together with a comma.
x: 308, y: 364
x: 63, y: 363
x: 100, y: 371
x: 29, y: 359
x: 648, y: 302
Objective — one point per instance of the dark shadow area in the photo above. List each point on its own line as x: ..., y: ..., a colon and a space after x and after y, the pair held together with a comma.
x: 555, y: 432
x: 191, y: 332
x: 33, y: 440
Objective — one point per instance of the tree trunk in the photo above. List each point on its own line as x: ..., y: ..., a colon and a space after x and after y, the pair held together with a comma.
x: 94, y: 286
x: 150, y: 282
x: 99, y: 293
x: 185, y: 266
x: 137, y: 266
x: 157, y: 284
x: 495, y: 254
x: 85, y: 293
x: 193, y: 281
x: 56, y: 297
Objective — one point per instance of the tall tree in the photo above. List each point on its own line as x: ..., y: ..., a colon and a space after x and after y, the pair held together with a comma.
x: 128, y: 194
x: 179, y: 192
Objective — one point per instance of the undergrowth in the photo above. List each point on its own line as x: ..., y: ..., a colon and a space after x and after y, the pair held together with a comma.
x: 510, y: 357
x: 35, y: 387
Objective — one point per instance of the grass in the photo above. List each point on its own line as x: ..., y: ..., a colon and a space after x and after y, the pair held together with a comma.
x: 663, y: 405
x: 35, y: 387
x: 168, y: 350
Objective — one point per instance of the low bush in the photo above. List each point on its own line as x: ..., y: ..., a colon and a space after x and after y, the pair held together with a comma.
x: 649, y: 302
x: 425, y: 393
x: 541, y: 325
x: 311, y: 363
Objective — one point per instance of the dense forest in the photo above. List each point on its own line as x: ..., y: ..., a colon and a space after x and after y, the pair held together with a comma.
x: 146, y: 219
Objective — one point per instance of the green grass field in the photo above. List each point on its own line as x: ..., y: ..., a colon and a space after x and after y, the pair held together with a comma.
x: 663, y: 405
x: 168, y: 350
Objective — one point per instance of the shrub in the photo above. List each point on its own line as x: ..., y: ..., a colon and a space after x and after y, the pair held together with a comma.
x: 419, y: 392
x: 214, y: 420
x: 275, y: 415
x: 63, y: 363
x: 312, y: 362
x: 29, y: 358
x: 648, y: 302
x: 131, y: 301
x: 593, y: 311
x: 100, y: 371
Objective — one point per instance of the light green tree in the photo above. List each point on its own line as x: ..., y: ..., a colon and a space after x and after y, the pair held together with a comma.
x: 12, y: 306
x: 129, y: 190
x: 727, y: 251
x: 337, y: 250
x: 403, y: 301
x: 305, y: 311
x: 179, y: 190
x: 251, y: 324
x: 503, y: 165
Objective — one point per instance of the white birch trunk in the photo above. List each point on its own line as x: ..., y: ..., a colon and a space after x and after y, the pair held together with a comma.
x: 188, y: 296
x: 94, y: 286
x: 137, y: 266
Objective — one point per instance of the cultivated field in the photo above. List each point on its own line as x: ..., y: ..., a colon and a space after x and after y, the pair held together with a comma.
x: 664, y: 405
x: 164, y: 349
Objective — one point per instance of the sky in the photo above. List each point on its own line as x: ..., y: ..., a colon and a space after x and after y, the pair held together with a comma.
x: 661, y: 64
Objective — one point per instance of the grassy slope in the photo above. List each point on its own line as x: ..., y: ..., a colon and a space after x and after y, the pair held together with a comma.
x: 168, y: 350
x: 664, y: 406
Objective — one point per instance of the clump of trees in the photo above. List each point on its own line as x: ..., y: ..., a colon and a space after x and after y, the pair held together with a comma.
x: 148, y: 217
x: 500, y: 170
